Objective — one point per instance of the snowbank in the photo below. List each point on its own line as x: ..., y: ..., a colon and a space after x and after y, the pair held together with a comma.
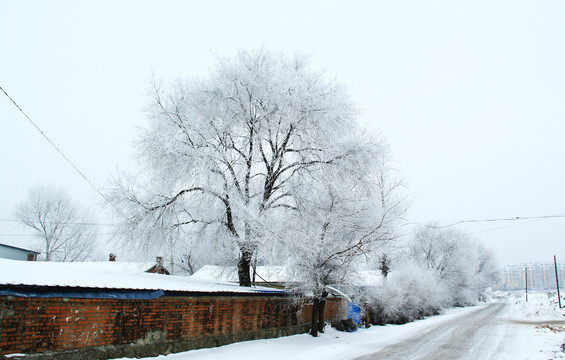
x: 541, y: 322
x: 539, y: 307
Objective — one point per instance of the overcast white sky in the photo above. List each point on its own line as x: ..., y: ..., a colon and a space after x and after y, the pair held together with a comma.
x: 470, y: 94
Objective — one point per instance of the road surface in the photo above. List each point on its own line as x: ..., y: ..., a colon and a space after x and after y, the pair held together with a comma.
x: 482, y: 334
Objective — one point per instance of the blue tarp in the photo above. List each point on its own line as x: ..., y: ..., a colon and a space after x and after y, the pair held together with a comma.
x: 87, y: 294
x: 354, y: 312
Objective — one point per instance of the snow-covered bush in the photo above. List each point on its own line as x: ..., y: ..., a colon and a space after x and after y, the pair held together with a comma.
x: 486, y: 295
x: 465, y: 267
x: 410, y: 292
x: 441, y: 268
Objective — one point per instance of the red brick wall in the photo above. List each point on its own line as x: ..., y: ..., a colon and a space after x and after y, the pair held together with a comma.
x: 29, y: 325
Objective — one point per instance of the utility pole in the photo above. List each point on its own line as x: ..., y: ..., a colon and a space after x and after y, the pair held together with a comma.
x: 526, y: 271
x: 557, y: 280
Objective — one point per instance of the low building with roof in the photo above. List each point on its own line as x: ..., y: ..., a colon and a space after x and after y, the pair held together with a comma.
x: 17, y: 253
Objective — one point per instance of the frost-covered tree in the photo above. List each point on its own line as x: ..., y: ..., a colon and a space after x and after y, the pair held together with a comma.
x: 383, y: 264
x: 60, y: 224
x: 344, y: 212
x: 219, y: 154
x: 440, y: 249
x: 442, y: 267
x: 487, y: 270
x: 463, y: 265
x: 191, y: 253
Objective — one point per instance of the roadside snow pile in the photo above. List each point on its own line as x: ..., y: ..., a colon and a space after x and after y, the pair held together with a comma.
x: 544, y: 319
x: 541, y: 306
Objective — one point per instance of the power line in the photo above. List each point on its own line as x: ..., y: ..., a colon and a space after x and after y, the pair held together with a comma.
x: 11, y: 235
x: 35, y: 235
x: 61, y: 153
x: 504, y: 227
x: 66, y: 223
x: 517, y: 218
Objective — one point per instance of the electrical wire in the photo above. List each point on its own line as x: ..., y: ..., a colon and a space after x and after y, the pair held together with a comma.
x: 517, y: 218
x: 503, y: 227
x: 35, y: 235
x: 66, y: 223
x: 61, y: 153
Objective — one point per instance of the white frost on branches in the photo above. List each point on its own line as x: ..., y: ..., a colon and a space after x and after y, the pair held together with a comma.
x: 221, y: 156
x: 62, y: 227
x: 345, y: 212
x: 441, y: 268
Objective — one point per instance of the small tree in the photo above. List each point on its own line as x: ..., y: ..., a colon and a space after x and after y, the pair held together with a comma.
x: 59, y: 223
x: 384, y: 264
x: 344, y: 212
x: 487, y: 270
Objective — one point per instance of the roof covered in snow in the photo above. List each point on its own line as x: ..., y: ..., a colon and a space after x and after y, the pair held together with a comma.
x: 273, y: 274
x: 278, y: 274
x: 106, y: 275
x: 4, y: 243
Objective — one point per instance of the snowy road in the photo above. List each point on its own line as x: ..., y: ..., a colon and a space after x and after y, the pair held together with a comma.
x: 485, y: 333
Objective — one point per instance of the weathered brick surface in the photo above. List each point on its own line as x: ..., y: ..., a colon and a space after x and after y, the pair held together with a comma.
x: 32, y: 325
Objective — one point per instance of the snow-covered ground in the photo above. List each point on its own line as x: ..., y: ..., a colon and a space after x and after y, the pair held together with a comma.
x: 541, y: 322
x: 519, y: 330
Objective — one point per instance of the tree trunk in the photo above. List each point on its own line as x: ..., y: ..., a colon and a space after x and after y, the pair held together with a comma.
x: 321, y: 320
x: 315, y: 311
x: 244, y: 267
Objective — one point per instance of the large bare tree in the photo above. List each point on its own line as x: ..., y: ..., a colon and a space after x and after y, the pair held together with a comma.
x: 61, y: 225
x: 219, y: 154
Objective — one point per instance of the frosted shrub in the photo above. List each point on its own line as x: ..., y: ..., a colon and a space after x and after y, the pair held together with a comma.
x: 410, y: 292
x: 486, y: 295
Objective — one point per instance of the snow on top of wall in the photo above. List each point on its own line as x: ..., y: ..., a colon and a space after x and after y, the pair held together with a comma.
x: 106, y: 275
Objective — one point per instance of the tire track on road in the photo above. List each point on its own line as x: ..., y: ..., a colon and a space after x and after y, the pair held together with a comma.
x: 455, y: 339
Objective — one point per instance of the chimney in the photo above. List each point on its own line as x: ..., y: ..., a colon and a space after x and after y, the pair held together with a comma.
x: 112, y: 257
x: 159, y: 260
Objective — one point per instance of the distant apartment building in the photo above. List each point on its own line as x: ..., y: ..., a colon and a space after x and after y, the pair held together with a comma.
x: 541, y: 276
